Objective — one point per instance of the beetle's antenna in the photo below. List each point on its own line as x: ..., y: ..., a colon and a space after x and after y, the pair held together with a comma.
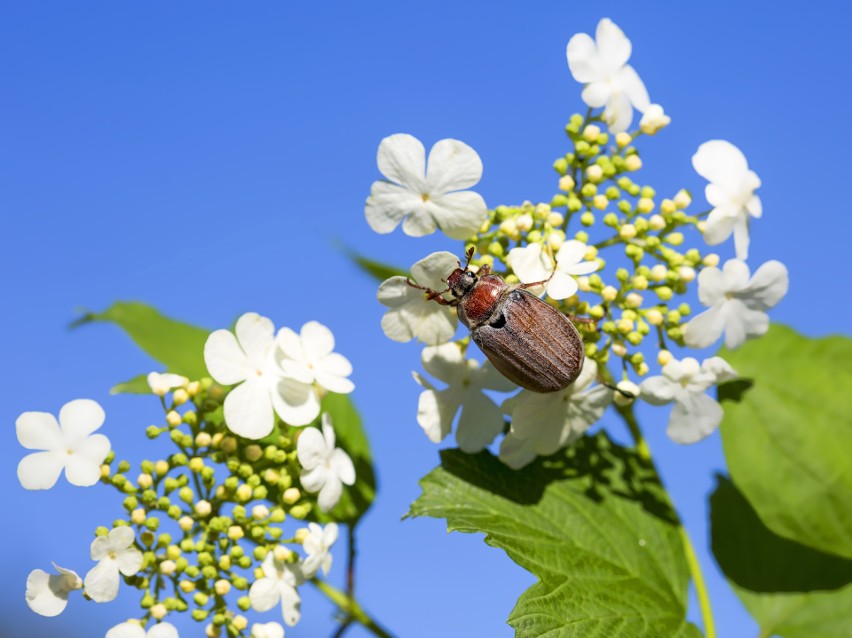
x: 469, y: 255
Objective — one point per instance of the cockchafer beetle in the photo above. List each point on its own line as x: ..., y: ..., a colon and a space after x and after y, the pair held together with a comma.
x: 529, y: 341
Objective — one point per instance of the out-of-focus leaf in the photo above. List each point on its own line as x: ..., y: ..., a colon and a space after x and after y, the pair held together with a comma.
x: 136, y: 385
x: 376, y: 269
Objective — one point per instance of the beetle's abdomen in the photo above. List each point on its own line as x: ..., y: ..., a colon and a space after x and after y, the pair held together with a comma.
x: 532, y: 343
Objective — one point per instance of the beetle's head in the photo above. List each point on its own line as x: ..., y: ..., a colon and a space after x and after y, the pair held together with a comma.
x: 461, y: 281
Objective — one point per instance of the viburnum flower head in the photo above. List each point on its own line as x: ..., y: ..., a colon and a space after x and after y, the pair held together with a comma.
x: 543, y: 423
x: 730, y: 193
x: 47, y: 594
x: 162, y: 383
x: 317, y: 545
x: 326, y: 468
x: 685, y: 383
x: 428, y: 194
x: 481, y: 419
x: 532, y: 263
x: 116, y: 554
x: 409, y: 315
x: 135, y: 630
x: 601, y: 64
x: 736, y: 303
x: 68, y: 444
x: 278, y: 585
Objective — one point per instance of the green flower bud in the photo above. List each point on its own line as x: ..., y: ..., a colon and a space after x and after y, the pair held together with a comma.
x: 178, y: 459
x: 587, y: 218
x: 147, y: 601
x: 561, y: 166
x: 664, y: 293
x: 186, y: 494
x: 610, y: 219
x: 209, y: 572
x: 277, y: 515
x: 684, y: 309
x: 190, y: 418
x: 236, y: 552
x: 635, y: 338
x: 152, y: 523
x: 244, y: 603
x: 101, y: 531
x: 200, y: 615
x: 192, y: 570
x: 187, y: 545
x: 244, y: 562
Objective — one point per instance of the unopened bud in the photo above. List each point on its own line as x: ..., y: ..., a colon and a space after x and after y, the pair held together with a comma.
x: 566, y: 183
x: 654, y: 317
x: 222, y: 587
x: 624, y: 389
x: 609, y: 293
x: 591, y: 133
x: 632, y: 163
x: 623, y: 139
x: 682, y: 199
x: 173, y: 418
x: 159, y: 611
x: 186, y: 523
x: 203, y: 508
x: 663, y: 357
x: 291, y: 495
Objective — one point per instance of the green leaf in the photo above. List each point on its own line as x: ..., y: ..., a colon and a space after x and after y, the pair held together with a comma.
x: 376, y: 269
x: 178, y: 345
x: 136, y: 385
x: 591, y: 522
x: 356, y: 499
x: 787, y: 435
x: 792, y: 590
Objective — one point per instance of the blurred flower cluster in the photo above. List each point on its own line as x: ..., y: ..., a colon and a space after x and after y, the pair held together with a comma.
x: 205, y: 528
x: 610, y: 249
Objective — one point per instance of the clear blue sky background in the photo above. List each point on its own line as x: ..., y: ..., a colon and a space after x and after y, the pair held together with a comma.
x: 203, y: 157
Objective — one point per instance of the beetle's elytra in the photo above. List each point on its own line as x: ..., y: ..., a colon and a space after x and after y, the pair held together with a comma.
x: 529, y: 341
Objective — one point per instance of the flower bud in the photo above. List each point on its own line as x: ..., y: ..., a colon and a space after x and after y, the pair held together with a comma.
x: 711, y: 260
x: 203, y: 508
x: 510, y: 229
x: 159, y: 611
x: 239, y: 623
x: 235, y: 532
x: 259, y: 512
x: 625, y: 388
x: 137, y: 517
x: 591, y: 133
x: 173, y: 418
x: 186, y: 523
x: 632, y: 163
x: 627, y: 231
x: 291, y: 495
x: 282, y: 553
x: 675, y: 239
x: 623, y: 139
x: 212, y: 631
x: 663, y: 357
x: 594, y: 173
x: 686, y: 273
x: 654, y: 119
x: 683, y: 199
x: 222, y: 587
x: 664, y: 293
x: 524, y: 223
x: 645, y: 205
x: 555, y: 239
x: 566, y: 183
x: 659, y: 272
x: 609, y: 293
x: 244, y: 493
x: 619, y: 350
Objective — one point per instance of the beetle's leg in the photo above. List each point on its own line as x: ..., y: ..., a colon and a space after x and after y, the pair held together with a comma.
x: 433, y: 295
x: 484, y: 270
x: 576, y: 319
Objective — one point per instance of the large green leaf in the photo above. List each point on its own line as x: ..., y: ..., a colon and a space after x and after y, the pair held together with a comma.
x: 792, y: 590
x: 178, y: 345
x: 592, y: 523
x: 787, y: 434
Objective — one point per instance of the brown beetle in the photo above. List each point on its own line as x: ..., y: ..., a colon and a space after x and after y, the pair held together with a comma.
x: 529, y: 341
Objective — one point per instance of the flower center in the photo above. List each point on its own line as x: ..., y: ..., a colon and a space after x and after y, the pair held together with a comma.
x: 112, y: 555
x: 425, y: 197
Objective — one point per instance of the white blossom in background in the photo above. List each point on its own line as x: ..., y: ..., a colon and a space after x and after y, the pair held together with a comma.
x: 278, y: 585
x: 267, y: 630
x: 685, y: 383
x: 601, y: 64
x: 428, y: 194
x: 47, y: 594
x: 730, y: 193
x: 481, y: 420
x: 543, y: 423
x: 116, y: 554
x: 317, y: 544
x: 162, y: 382
x: 309, y: 358
x: 67, y: 444
x: 654, y: 119
x: 531, y: 263
x: 736, y: 303
x: 409, y: 316
x: 250, y: 360
x: 135, y: 630
x: 326, y: 468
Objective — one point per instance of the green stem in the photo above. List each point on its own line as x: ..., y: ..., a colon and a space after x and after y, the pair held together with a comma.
x: 691, y: 559
x: 350, y: 607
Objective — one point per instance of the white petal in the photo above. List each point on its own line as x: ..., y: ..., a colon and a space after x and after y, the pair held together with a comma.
x: 720, y: 162
x: 267, y: 630
x: 516, y: 452
x: 562, y: 285
x: 445, y: 362
x: 694, y: 417
x: 767, y: 287
x: 40, y: 470
x: 330, y: 493
x: 80, y: 418
x: 719, y: 369
x: 161, y: 383
x: 330, y: 534
x: 317, y: 340
x: 331, y: 372
x: 479, y: 424
x: 583, y: 58
x: 754, y: 207
x: 289, y: 345
x: 658, y: 390
x: 120, y: 538
x: 585, y: 410
x: 421, y: 221
x: 39, y: 431
x: 388, y: 204
x: 46, y: 594
x: 402, y: 159
x: 705, y: 328
x: 596, y: 94
x: 489, y: 377
x: 224, y: 358
x: 586, y: 377
x: 432, y: 269
x: 93, y: 448
x: 736, y: 275
x: 126, y: 630
x: 342, y: 466
x: 328, y: 432
x: 290, y: 603
x: 163, y: 630
x: 313, y: 480
x: 129, y: 561
x: 248, y: 409
x: 452, y: 166
x: 534, y: 413
x: 719, y: 226
x: 613, y: 45
x: 395, y: 292
x: 296, y: 403
x: 459, y: 214
x: 743, y: 323
x: 427, y: 321
x: 255, y: 334
x: 633, y: 88
x: 82, y: 471
x: 311, y: 448
x: 530, y: 264
x: 101, y: 583
x: 570, y: 253
x: 618, y: 113
x: 711, y: 286
x: 741, y: 239
x: 264, y: 594
x: 436, y: 411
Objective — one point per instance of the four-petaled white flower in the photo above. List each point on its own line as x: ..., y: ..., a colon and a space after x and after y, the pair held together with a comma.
x: 695, y: 415
x: 161, y: 382
x: 47, y: 594
x: 135, y: 630
x: 545, y: 423
x: 279, y: 583
x: 531, y: 263
x: 317, y: 544
x: 251, y: 360
x: 730, y: 193
x: 267, y: 630
x: 601, y: 64
x: 736, y: 303
x: 115, y: 554
x: 68, y: 444
x: 410, y: 315
x: 481, y: 420
x: 654, y: 119
x: 308, y: 357
x: 431, y: 194
x: 326, y: 469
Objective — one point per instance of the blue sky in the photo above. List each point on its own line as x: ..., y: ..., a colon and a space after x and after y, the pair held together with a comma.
x: 203, y: 157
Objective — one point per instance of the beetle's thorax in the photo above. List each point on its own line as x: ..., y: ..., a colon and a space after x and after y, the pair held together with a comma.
x: 479, y: 302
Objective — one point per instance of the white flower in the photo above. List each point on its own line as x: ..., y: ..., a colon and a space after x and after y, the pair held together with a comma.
x: 279, y: 583
x: 695, y: 414
x: 115, y: 554
x: 267, y: 630
x: 654, y: 119
x: 531, y: 263
x: 545, y: 423
x: 730, y: 193
x: 410, y: 315
x: 68, y: 444
x: 161, y: 383
x: 326, y: 469
x: 430, y: 194
x: 135, y: 630
x: 736, y: 303
x: 250, y: 359
x: 481, y: 420
x: 308, y: 357
x: 601, y: 65
x: 317, y: 544
x: 47, y: 594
